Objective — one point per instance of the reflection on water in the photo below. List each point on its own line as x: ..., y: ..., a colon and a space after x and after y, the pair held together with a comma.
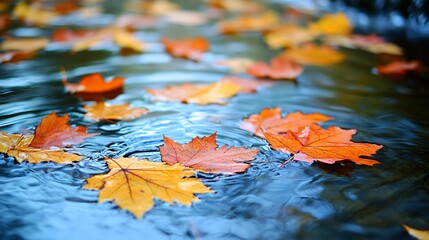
x: 299, y: 201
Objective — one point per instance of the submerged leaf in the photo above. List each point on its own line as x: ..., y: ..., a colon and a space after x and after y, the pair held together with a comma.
x: 133, y: 184
x: 203, y: 154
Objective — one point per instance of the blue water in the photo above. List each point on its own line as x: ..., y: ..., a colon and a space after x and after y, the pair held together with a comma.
x: 299, y: 201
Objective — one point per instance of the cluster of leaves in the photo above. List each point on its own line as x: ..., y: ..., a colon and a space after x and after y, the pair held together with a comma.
x: 133, y: 184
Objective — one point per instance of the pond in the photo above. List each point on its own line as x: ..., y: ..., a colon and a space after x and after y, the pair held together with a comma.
x: 298, y: 201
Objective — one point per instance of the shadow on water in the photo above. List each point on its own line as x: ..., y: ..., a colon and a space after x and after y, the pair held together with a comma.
x: 299, y: 201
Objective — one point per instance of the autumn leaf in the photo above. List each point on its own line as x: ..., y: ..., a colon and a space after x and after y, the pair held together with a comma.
x: 128, y: 41
x: 371, y: 43
x: 418, y: 234
x: 67, y: 7
x: 15, y: 56
x: 24, y: 44
x: 4, y: 22
x: 65, y: 35
x: 280, y: 68
x: 203, y: 154
x: 314, y: 55
x: 244, y: 6
x: 98, y: 36
x: 102, y: 110
x: 187, y: 18
x: 271, y: 121
x: 133, y: 22
x: 55, y: 132
x: 17, y: 146
x: 202, y: 94
x: 236, y: 65
x: 331, y: 145
x: 133, y: 184
x: 31, y: 14
x: 332, y: 24
x: 398, y: 67
x: 192, y: 48
x: 287, y: 36
x: 246, y: 85
x: 94, y: 87
x: 248, y: 23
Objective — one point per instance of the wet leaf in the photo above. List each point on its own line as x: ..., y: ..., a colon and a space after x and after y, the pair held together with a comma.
x: 15, y: 56
x: 203, y: 154
x: 31, y: 14
x: 371, y: 43
x: 128, y: 41
x: 271, y: 121
x: 287, y: 36
x: 66, y: 35
x: 101, y: 35
x: 192, y: 48
x: 418, y: 234
x: 398, y: 67
x: 55, y: 132
x: 102, y: 110
x: 133, y: 184
x: 67, y: 7
x: 237, y: 65
x: 187, y: 18
x: 247, y: 86
x: 332, y: 24
x: 314, y: 55
x: 95, y: 84
x: 280, y: 68
x: 24, y: 44
x: 247, y: 23
x: 331, y: 145
x: 17, y: 146
x: 199, y: 94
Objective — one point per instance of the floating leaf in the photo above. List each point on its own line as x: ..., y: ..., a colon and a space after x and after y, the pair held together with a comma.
x: 314, y: 55
x: 128, y: 41
x: 203, y: 154
x: 246, y: 85
x: 280, y: 68
x: 371, y: 43
x: 271, y: 121
x: 55, y: 132
x: 332, y: 24
x: 32, y: 14
x: 15, y: 56
x: 237, y: 65
x: 66, y: 35
x: 398, y: 67
x: 188, y: 18
x: 247, y: 23
x: 331, y: 145
x: 287, y: 36
x: 205, y: 94
x: 419, y: 234
x: 102, y: 110
x: 133, y: 184
x: 24, y: 44
x: 186, y: 48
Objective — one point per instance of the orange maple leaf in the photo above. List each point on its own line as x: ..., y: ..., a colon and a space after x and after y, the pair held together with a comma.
x: 68, y: 35
x: 331, y: 145
x: 186, y: 48
x: 204, y: 155
x: 102, y: 110
x: 16, y: 56
x: 398, y: 67
x: 280, y: 68
x: 94, y: 87
x: 54, y: 131
x: 314, y: 55
x: 270, y: 120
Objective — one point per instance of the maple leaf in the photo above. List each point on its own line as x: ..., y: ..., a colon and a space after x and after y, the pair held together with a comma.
x: 246, y: 85
x: 398, y: 67
x: 94, y: 87
x: 332, y: 24
x: 186, y: 48
x: 288, y: 35
x: 280, y: 68
x: 54, y: 131
x: 15, y: 56
x: 128, y: 41
x: 237, y: 65
x: 203, y: 154
x: 331, y: 145
x: 418, y: 234
x: 314, y: 55
x: 17, y: 146
x: 102, y: 110
x: 246, y: 23
x: 66, y: 35
x: 271, y: 121
x: 133, y: 184
x: 24, y: 44
x: 205, y: 94
x: 32, y: 14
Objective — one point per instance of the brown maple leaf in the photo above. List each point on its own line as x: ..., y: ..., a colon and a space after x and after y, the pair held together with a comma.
x: 203, y: 154
x: 270, y: 120
x: 331, y: 145
x: 280, y: 68
x: 186, y: 48
x: 54, y: 131
x: 102, y: 110
x: 133, y: 184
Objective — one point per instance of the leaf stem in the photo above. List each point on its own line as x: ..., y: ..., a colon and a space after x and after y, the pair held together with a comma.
x: 285, y: 162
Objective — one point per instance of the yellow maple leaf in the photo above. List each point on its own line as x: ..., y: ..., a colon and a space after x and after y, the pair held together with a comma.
x: 288, y: 35
x: 16, y: 145
x: 102, y: 110
x: 206, y: 94
x: 133, y: 184
x: 126, y: 40
x: 314, y: 55
x: 332, y: 24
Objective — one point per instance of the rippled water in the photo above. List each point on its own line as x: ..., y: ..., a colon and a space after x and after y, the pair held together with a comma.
x: 299, y: 201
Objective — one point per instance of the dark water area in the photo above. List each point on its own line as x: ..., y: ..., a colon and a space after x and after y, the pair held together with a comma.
x: 299, y: 201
